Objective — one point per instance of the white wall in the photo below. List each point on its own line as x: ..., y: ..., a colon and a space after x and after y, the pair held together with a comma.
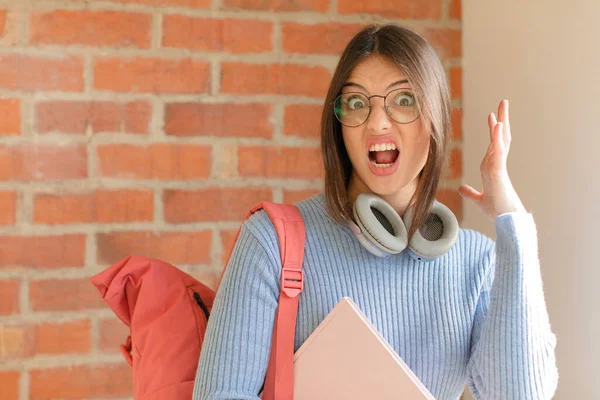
x: 544, y: 56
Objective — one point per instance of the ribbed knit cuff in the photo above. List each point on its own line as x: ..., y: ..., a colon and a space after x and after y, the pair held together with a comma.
x: 518, y: 272
x: 516, y: 239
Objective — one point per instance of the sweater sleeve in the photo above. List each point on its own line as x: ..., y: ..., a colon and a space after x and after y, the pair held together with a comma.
x: 512, y: 347
x: 236, y: 347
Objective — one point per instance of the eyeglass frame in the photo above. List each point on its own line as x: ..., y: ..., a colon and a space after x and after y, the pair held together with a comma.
x: 385, y: 107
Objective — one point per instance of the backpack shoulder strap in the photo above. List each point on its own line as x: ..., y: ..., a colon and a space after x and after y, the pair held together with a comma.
x: 291, y: 234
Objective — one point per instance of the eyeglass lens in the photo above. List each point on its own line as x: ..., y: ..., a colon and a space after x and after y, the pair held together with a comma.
x: 353, y: 109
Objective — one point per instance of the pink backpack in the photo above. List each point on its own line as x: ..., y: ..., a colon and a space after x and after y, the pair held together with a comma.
x: 164, y: 345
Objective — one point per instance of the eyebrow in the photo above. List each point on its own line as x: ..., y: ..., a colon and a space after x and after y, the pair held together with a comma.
x: 400, y: 82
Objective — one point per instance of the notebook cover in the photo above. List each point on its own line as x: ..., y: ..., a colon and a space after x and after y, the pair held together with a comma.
x: 347, y: 358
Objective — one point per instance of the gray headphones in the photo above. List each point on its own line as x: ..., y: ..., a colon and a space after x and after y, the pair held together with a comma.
x: 383, y: 232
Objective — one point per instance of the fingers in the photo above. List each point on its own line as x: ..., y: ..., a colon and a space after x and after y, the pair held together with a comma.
x: 503, y: 112
x: 498, y: 135
x: 504, y: 118
x: 470, y: 193
x: 496, y: 148
x: 497, y: 131
x: 491, y: 124
x: 505, y: 134
x: 494, y: 162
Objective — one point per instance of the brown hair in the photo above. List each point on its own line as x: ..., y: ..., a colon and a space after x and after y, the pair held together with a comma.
x: 419, y: 62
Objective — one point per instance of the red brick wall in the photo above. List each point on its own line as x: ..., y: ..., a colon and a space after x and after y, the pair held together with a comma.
x: 151, y: 126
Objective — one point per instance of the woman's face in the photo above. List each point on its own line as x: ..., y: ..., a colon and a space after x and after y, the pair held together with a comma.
x: 377, y: 169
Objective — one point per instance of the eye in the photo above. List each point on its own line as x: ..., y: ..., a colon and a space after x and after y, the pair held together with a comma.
x: 404, y: 99
x: 355, y: 103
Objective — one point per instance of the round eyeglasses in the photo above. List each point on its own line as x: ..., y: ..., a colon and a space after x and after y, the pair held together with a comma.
x: 353, y: 109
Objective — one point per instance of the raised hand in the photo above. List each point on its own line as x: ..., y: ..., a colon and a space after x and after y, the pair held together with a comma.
x: 498, y: 195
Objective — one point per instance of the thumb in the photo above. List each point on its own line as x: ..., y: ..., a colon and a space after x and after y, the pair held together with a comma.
x: 468, y: 192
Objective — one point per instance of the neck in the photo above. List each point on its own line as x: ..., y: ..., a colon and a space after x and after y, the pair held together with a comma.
x: 398, y: 200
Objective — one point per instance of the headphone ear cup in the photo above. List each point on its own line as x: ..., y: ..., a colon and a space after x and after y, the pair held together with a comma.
x: 380, y: 224
x: 435, y: 236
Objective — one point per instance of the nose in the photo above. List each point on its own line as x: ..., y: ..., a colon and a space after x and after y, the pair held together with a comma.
x: 379, y: 121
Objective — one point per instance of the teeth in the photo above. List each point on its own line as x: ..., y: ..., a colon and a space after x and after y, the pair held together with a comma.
x: 381, y: 165
x: 382, y: 147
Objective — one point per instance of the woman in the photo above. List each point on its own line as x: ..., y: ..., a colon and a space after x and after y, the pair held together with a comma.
x: 472, y: 312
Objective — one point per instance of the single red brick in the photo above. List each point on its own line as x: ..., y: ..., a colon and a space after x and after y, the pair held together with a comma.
x: 228, y: 119
x: 63, y: 338
x: 278, y: 5
x: 81, y: 381
x: 151, y: 75
x: 101, y: 206
x: 294, y: 196
x: 452, y: 200
x: 64, y: 295
x: 9, y: 382
x: 91, y: 28
x: 42, y: 251
x: 156, y: 161
x: 457, y: 124
x: 183, y: 206
x: 327, y: 38
x: 280, y: 162
x: 10, y: 289
x: 42, y: 162
x: 230, y: 35
x: 99, y: 116
x: 36, y: 73
x: 137, y: 116
x: 173, y: 247
x: 124, y: 205
x: 113, y: 333
x: 10, y: 117
x: 403, y: 9
x: 280, y: 79
x: 8, y: 205
x: 455, y: 171
x: 303, y: 120
x: 446, y: 42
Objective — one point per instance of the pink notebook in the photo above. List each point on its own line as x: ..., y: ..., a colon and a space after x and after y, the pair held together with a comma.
x: 347, y: 358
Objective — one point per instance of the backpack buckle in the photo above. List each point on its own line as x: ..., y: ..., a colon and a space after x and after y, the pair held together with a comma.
x: 292, y: 281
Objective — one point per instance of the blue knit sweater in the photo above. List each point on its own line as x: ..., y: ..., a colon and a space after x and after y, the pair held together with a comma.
x: 476, y: 315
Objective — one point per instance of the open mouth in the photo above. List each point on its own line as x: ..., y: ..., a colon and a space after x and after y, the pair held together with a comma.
x: 383, y: 155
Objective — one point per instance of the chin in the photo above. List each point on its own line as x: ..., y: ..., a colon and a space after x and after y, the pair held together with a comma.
x: 385, y: 191
x: 385, y: 186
